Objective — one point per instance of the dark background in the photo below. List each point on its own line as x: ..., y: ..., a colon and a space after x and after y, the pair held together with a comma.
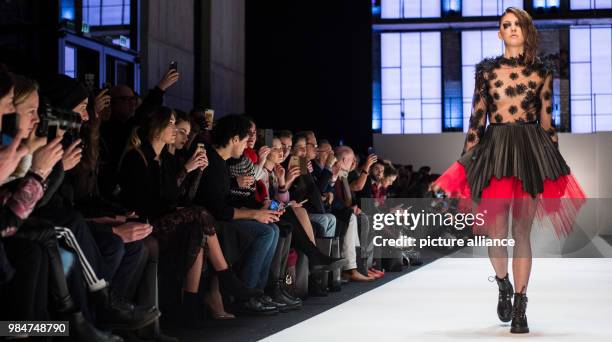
x: 308, y: 66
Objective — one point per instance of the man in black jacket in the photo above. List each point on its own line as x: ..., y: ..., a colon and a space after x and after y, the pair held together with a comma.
x: 229, y: 138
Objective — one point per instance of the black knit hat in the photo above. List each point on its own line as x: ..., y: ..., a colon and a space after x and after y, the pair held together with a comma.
x: 64, y: 92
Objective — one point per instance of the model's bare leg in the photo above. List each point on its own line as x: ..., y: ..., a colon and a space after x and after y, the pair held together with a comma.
x: 498, y: 229
x: 523, y: 213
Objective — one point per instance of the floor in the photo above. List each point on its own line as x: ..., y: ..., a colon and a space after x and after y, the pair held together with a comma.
x: 451, y: 300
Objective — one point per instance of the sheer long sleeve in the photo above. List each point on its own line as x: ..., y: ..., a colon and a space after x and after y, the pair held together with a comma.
x: 546, y: 98
x: 478, y: 117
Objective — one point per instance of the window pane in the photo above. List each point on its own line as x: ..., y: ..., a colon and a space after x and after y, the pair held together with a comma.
x: 591, y: 78
x: 70, y: 61
x: 390, y: 9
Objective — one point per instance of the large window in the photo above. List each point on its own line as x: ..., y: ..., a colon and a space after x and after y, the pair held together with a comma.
x: 591, y: 78
x: 391, y: 9
x: 411, y: 82
x: 476, y: 8
x: 106, y: 12
x: 545, y: 3
x: 475, y: 45
x: 590, y: 4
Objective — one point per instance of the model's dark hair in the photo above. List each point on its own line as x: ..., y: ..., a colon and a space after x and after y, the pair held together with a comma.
x: 228, y: 127
x: 6, y: 83
x: 530, y: 33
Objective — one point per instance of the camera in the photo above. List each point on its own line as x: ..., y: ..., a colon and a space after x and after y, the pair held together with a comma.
x: 52, y: 119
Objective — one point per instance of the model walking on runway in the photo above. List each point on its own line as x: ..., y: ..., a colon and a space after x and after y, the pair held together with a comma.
x: 514, y: 165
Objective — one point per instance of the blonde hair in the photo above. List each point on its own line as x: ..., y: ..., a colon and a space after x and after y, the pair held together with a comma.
x: 23, y: 88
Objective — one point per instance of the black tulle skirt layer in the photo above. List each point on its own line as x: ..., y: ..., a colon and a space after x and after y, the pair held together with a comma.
x: 516, y: 161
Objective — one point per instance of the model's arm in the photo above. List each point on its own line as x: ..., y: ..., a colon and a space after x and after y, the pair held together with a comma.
x: 479, y: 110
x: 546, y: 95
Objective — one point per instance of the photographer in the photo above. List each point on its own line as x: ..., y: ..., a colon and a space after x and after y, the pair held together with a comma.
x: 103, y: 246
x: 31, y: 244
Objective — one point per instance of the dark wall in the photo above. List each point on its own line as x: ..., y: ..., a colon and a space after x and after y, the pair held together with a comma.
x: 308, y: 66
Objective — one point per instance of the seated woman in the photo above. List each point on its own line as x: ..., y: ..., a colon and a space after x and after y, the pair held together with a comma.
x: 149, y: 184
x: 190, y: 171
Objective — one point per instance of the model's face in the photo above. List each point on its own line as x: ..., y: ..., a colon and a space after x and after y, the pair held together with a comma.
x: 28, y: 113
x: 252, y: 137
x: 510, y: 31
x: 182, y: 134
x: 168, y: 134
x: 6, y: 103
x: 277, y: 155
x: 81, y: 109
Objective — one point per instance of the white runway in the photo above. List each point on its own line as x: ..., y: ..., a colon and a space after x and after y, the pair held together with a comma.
x: 452, y: 300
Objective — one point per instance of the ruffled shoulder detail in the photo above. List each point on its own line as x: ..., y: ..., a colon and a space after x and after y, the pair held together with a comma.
x: 544, y: 66
x: 484, y: 70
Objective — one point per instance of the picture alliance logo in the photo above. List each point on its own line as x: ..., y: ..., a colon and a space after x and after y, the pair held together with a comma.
x: 411, y: 220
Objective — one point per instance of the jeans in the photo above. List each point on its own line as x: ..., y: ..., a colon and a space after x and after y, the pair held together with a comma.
x: 259, y: 255
x: 327, y: 221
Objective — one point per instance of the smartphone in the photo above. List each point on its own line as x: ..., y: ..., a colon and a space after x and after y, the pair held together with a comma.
x: 275, y: 205
x: 294, y: 161
x: 201, y: 147
x: 9, y: 124
x: 173, y: 65
x: 303, y: 166
x: 209, y: 115
x: 371, y: 150
x: 268, y: 136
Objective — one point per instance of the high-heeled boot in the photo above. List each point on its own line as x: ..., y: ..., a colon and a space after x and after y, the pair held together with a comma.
x: 519, y: 316
x: 504, y: 303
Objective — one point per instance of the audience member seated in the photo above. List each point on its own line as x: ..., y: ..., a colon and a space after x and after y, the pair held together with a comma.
x: 149, y: 181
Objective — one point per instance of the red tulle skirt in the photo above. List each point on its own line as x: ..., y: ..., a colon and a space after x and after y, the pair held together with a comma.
x: 557, y: 205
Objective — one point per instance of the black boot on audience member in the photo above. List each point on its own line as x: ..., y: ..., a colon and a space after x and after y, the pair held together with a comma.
x: 282, y: 307
x: 278, y: 293
x: 114, y: 313
x: 231, y: 285
x: 257, y: 307
x: 80, y: 328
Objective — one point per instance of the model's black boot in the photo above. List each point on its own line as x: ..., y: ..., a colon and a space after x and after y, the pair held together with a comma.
x: 519, y: 318
x: 504, y: 304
